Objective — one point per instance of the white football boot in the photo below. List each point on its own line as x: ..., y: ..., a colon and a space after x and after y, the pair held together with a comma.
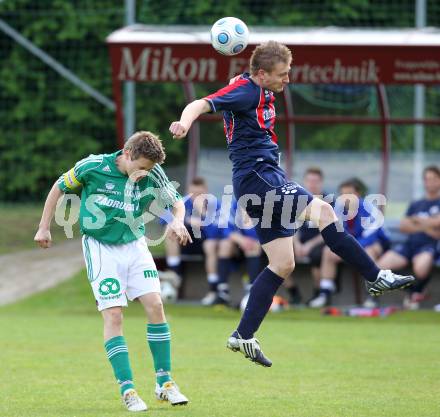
x: 388, y: 281
x: 209, y: 299
x: 132, y: 401
x: 169, y: 391
x: 250, y: 348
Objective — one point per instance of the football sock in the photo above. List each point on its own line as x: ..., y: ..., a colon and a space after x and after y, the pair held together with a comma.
x: 174, y: 263
x: 253, y: 267
x: 419, y: 285
x: 327, y: 285
x: 348, y: 248
x: 260, y: 300
x: 224, y: 268
x: 295, y: 294
x: 117, y: 354
x: 213, y: 282
x: 159, y: 340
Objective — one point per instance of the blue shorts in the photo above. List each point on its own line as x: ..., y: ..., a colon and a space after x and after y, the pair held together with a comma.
x: 378, y: 236
x: 272, y: 202
x: 226, y: 232
x: 408, y: 249
x: 211, y: 231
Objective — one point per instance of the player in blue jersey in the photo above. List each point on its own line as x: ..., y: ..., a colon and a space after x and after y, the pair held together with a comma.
x: 361, y: 221
x: 270, y: 199
x: 422, y: 225
x: 201, y: 215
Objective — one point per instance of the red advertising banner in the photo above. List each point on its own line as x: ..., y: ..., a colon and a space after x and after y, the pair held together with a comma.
x: 312, y: 64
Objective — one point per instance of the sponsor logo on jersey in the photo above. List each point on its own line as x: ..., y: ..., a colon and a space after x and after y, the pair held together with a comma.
x: 109, y: 185
x: 269, y: 113
x: 109, y: 202
x: 106, y: 169
x: 109, y: 286
x: 290, y: 188
x: 132, y: 191
x: 105, y: 191
x: 151, y: 273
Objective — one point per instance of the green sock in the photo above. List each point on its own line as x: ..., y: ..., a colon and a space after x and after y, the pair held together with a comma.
x: 159, y: 340
x: 117, y: 354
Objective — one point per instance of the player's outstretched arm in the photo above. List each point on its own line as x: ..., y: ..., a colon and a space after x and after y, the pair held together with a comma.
x: 43, y: 236
x: 191, y: 112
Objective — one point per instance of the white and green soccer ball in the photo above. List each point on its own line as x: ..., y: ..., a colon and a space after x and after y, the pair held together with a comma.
x: 229, y: 36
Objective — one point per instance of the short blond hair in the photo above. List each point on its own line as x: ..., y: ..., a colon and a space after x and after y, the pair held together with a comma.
x: 267, y: 55
x: 145, y: 144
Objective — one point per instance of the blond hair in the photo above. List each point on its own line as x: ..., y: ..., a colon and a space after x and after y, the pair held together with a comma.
x: 267, y: 55
x: 145, y: 144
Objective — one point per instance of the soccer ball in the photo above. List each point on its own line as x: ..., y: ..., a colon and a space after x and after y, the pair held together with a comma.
x: 168, y: 292
x: 229, y: 36
x: 169, y: 285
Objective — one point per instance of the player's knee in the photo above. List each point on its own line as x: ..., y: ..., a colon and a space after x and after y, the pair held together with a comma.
x: 285, y: 267
x: 421, y: 271
x: 225, y: 248
x: 113, y: 318
x: 155, y: 307
x: 327, y: 215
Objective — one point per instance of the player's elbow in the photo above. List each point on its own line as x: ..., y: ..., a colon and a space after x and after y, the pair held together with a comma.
x: 202, y: 105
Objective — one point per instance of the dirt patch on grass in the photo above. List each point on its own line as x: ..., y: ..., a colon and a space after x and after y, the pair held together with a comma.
x: 27, y: 272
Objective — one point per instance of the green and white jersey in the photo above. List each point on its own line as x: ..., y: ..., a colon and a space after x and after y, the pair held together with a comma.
x: 111, y: 204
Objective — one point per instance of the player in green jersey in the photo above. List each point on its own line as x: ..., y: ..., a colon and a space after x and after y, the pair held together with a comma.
x: 115, y: 191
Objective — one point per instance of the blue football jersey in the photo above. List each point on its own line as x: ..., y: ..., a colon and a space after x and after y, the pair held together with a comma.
x: 211, y: 215
x: 363, y: 226
x: 249, y: 122
x: 423, y: 208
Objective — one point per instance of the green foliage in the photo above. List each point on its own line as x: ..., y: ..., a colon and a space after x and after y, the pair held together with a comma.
x: 48, y: 124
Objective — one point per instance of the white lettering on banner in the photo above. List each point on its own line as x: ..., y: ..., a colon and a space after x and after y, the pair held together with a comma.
x: 187, y: 69
x: 129, y: 69
x: 366, y: 72
x: 160, y: 65
x: 416, y: 65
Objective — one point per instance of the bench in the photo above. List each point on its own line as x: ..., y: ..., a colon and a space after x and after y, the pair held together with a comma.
x: 194, y: 285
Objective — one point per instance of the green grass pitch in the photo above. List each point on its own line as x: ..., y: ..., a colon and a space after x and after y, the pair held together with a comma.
x: 53, y: 362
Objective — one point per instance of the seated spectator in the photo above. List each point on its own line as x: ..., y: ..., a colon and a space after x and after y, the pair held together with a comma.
x: 239, y: 240
x: 201, y: 222
x: 360, y: 222
x: 308, y: 242
x: 422, y: 225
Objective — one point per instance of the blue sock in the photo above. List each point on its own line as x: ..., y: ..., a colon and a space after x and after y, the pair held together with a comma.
x: 419, y: 285
x: 224, y: 268
x: 348, y: 248
x: 253, y: 266
x: 260, y: 299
